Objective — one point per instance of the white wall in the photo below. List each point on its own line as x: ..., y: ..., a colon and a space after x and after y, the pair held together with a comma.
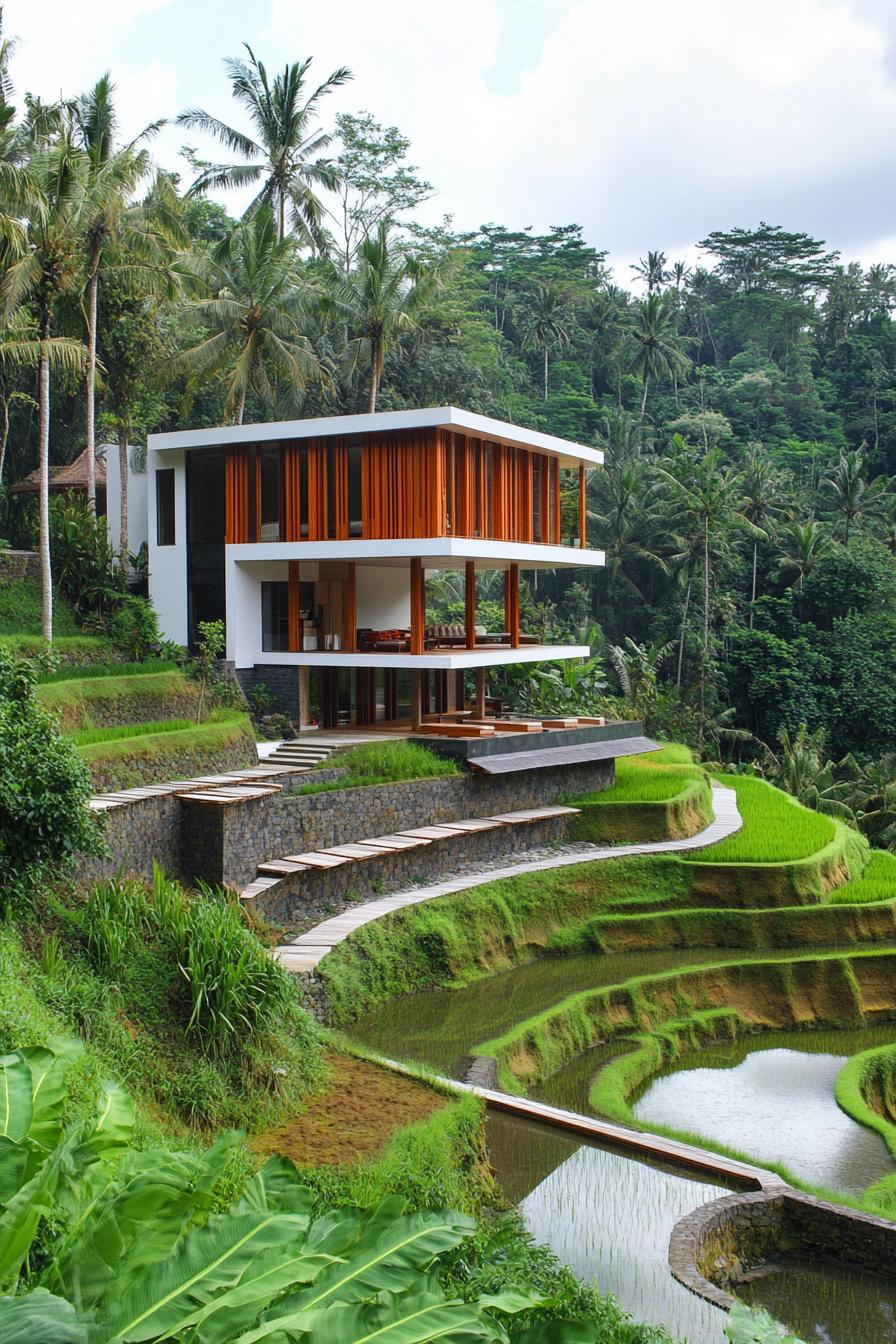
x: 244, y: 605
x: 383, y: 596
x: 138, y: 481
x: 168, y: 564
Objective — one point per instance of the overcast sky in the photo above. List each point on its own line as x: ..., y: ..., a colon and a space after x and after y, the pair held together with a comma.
x: 649, y: 122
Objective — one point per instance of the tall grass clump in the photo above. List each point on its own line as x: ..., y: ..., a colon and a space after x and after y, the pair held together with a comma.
x: 776, y: 829
x: 235, y: 992
x: 384, y: 763
x: 147, y: 668
x: 639, y: 779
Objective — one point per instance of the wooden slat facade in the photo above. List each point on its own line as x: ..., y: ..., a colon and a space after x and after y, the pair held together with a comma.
x: 413, y: 483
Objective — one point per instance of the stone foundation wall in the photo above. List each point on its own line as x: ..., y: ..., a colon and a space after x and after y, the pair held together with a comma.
x: 712, y: 1248
x: 282, y: 684
x: 135, y: 836
x: 19, y: 565
x: 302, y: 895
x: 289, y: 823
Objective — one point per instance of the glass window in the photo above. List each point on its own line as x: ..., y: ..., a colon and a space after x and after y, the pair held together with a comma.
x: 275, y: 617
x: 165, y: 531
x: 270, y: 494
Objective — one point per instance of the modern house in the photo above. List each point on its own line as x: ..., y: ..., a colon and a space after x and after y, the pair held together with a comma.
x: 313, y: 539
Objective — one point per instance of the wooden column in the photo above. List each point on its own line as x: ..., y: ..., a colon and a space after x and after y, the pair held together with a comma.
x: 295, y: 603
x: 304, y: 696
x: 480, y: 693
x: 512, y: 604
x: 583, y: 514
x: 416, y: 700
x: 350, y: 610
x: 418, y: 606
x: 459, y: 689
x: 470, y: 603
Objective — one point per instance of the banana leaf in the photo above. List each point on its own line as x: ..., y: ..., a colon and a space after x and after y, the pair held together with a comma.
x: 40, y: 1318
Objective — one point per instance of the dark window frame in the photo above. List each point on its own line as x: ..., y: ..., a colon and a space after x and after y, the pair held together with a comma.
x: 166, y: 507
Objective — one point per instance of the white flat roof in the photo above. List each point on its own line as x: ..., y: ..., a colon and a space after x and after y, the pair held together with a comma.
x: 435, y: 552
x: 499, y: 655
x: 436, y: 417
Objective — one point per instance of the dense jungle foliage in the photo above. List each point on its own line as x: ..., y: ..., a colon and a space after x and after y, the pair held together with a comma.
x: 746, y: 404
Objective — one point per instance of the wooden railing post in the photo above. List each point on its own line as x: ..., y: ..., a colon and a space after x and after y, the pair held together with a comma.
x: 418, y: 606
x: 583, y: 512
x: 295, y: 603
x: 512, y: 604
x: 470, y: 603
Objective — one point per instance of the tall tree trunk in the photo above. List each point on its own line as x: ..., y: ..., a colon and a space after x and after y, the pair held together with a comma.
x: 90, y: 389
x: 123, y: 496
x: 46, y: 573
x: 644, y: 398
x: 282, y: 214
x: 705, y: 659
x: 684, y: 627
x: 4, y: 433
x: 753, y: 591
x: 374, y: 377
x: 545, y: 373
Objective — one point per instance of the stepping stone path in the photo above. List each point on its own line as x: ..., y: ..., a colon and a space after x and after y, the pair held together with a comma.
x: 303, y: 953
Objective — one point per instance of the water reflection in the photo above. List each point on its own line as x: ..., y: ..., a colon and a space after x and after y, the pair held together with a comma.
x: 609, y: 1217
x: 776, y: 1104
x: 827, y: 1303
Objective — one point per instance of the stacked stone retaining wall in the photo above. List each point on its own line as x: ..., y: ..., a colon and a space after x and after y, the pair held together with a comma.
x: 712, y: 1249
x: 227, y: 844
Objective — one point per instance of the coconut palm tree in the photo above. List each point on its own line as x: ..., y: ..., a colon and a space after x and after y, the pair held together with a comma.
x: 657, y: 348
x: 706, y: 506
x: 802, y: 546
x: 546, y: 323
x: 383, y: 299
x: 284, y: 156
x: 52, y: 215
x: 852, y: 495
x: 113, y: 178
x: 652, y: 270
x: 253, y: 317
x: 766, y: 502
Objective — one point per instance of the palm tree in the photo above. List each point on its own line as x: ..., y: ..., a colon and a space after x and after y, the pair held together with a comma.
x: 765, y: 502
x: 546, y: 323
x: 283, y: 157
x: 854, y: 497
x: 383, y: 298
x: 254, y: 317
x: 113, y: 177
x: 803, y: 546
x: 652, y: 270
x: 46, y: 269
x: 706, y: 502
x: 658, y: 349
x: 630, y: 523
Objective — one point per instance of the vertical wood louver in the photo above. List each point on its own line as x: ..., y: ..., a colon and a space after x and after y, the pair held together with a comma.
x: 292, y: 501
x: 236, y: 487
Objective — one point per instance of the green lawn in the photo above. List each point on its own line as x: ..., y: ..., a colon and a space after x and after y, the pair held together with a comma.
x: 383, y: 763
x: 152, y: 665
x: 20, y: 609
x: 90, y: 736
x: 776, y: 828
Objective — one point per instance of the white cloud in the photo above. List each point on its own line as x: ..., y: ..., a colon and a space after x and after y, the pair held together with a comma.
x: 648, y: 121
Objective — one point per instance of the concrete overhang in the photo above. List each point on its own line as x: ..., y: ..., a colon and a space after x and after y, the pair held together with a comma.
x: 438, y: 417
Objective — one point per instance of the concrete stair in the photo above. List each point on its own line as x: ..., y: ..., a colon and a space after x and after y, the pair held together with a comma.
x: 300, y: 755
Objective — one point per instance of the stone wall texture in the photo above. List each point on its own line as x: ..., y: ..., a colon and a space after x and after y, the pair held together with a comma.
x: 226, y: 844
x: 290, y: 822
x: 19, y: 565
x: 712, y: 1248
x: 323, y: 892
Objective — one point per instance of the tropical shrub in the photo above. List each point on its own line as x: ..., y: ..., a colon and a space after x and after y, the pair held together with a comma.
x: 135, y: 629
x: 44, y: 789
x: 133, y: 1245
x: 84, y: 560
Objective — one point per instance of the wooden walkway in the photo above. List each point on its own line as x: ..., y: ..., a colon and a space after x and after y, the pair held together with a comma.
x: 379, y: 846
x: 632, y: 1141
x: 261, y: 779
x: 303, y: 953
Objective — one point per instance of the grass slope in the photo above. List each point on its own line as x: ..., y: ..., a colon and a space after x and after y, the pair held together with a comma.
x: 21, y: 605
x: 383, y: 763
x: 113, y: 701
x: 225, y: 741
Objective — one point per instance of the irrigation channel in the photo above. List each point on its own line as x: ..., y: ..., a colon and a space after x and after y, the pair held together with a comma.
x: 609, y: 1213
